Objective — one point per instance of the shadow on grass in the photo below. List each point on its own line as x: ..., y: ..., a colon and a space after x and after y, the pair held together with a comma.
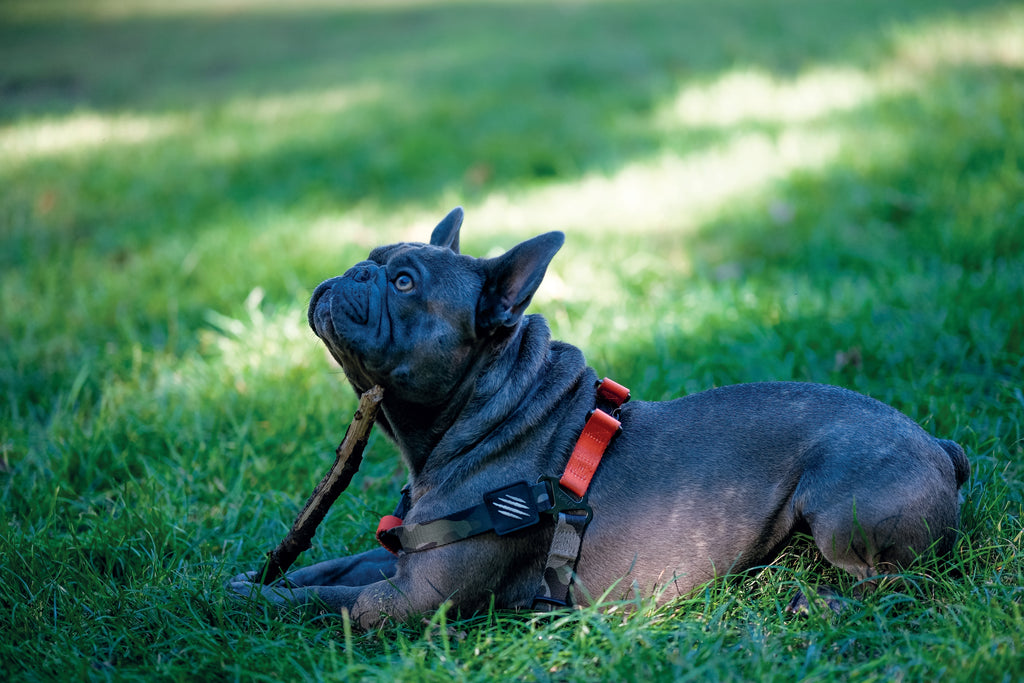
x: 244, y: 116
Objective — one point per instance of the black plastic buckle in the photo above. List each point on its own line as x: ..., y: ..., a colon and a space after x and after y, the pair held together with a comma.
x: 563, y: 501
x: 512, y: 508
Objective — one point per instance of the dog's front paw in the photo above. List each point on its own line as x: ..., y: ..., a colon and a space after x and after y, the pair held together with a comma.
x: 280, y: 596
x: 245, y: 576
x: 253, y: 577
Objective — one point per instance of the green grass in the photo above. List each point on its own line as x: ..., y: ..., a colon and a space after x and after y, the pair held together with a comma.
x: 770, y: 189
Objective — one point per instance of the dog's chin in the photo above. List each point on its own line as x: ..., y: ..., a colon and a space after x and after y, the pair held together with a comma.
x: 397, y: 381
x: 350, y: 352
x: 358, y: 356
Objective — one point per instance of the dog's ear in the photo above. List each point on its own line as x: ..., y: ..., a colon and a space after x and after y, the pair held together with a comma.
x: 446, y: 234
x: 513, y: 278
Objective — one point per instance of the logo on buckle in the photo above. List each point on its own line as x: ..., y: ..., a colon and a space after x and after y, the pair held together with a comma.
x: 512, y: 508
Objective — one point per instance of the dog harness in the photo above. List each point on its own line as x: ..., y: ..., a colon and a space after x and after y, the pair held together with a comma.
x: 521, y: 505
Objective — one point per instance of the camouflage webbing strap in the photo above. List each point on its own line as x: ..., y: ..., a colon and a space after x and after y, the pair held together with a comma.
x: 503, y: 511
x: 571, y: 519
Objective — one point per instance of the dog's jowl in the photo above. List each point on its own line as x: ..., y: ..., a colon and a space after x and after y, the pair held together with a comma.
x: 486, y: 410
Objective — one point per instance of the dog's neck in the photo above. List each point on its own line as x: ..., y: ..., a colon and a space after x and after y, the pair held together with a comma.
x: 490, y: 410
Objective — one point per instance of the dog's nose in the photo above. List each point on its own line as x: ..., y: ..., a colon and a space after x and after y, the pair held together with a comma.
x: 361, y: 272
x: 322, y: 289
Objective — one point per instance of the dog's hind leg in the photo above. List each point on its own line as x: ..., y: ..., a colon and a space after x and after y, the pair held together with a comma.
x: 850, y: 541
x: 883, y: 534
x: 882, y: 522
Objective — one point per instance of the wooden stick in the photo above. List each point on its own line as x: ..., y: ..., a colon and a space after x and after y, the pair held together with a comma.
x: 349, y: 456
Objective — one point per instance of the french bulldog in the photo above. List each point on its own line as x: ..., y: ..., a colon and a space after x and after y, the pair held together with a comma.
x: 477, y: 396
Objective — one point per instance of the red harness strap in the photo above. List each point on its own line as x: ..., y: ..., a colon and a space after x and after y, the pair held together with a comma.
x: 601, y: 428
x: 613, y: 392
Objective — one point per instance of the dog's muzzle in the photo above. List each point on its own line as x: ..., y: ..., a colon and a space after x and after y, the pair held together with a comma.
x: 347, y: 295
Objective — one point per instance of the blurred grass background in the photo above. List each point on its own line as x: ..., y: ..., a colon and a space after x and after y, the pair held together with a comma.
x: 778, y: 189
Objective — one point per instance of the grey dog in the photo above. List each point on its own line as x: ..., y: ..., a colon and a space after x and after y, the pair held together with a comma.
x: 478, y: 396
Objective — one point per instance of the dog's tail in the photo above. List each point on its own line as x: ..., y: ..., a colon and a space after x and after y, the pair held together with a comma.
x: 960, y: 464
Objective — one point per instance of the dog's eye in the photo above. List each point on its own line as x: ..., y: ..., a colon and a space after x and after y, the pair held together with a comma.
x: 404, y: 283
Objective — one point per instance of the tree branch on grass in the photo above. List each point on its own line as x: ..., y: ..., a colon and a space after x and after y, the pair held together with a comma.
x: 349, y: 456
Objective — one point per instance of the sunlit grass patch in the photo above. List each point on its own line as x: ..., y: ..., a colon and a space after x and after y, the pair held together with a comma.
x: 28, y: 140
x: 671, y: 192
x: 919, y: 54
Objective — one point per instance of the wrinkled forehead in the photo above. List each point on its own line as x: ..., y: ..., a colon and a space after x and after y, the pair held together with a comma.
x: 405, y: 252
x: 441, y: 263
x: 381, y: 255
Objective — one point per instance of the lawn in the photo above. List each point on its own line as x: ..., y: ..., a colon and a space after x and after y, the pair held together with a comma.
x: 750, y: 189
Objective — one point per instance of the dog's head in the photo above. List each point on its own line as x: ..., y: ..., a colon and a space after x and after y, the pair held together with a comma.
x: 415, y: 318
